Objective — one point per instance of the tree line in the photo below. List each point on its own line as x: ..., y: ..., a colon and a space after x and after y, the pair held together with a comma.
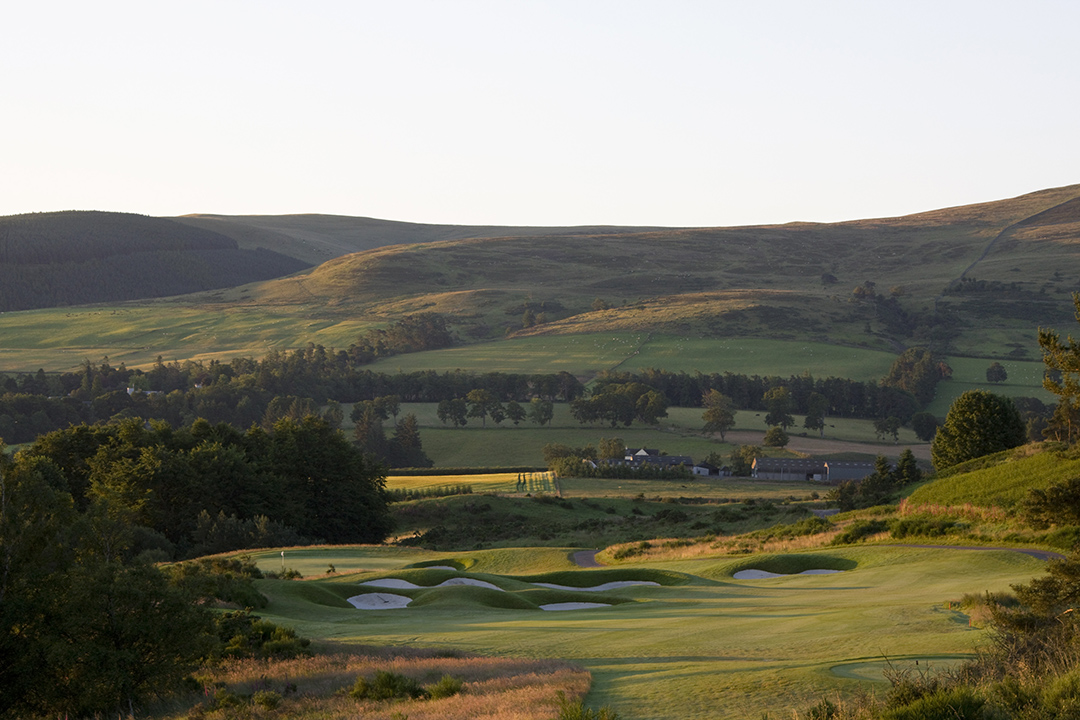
x: 245, y: 391
x: 209, y: 488
x: 909, y: 385
x: 89, y: 625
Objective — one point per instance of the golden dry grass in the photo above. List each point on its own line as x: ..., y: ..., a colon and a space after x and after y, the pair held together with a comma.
x: 504, y: 688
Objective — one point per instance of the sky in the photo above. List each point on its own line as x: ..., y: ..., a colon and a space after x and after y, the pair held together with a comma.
x: 531, y: 112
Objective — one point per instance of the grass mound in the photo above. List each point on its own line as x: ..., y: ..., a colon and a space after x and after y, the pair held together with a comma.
x: 790, y: 564
x: 317, y: 593
x: 592, y: 578
x: 464, y: 596
x: 1002, y: 479
x: 551, y: 596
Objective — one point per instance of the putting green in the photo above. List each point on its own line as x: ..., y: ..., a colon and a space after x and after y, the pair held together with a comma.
x: 699, y: 645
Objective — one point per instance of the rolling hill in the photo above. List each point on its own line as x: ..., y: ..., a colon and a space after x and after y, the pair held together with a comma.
x: 318, y: 238
x: 976, y: 281
x: 962, y: 279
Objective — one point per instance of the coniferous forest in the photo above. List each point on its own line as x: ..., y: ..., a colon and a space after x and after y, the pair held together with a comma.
x: 72, y: 258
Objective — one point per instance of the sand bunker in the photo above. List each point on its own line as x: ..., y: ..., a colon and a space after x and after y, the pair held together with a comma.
x: 600, y: 588
x: 440, y: 567
x: 573, y: 606
x: 399, y: 584
x: 763, y: 574
x: 379, y: 601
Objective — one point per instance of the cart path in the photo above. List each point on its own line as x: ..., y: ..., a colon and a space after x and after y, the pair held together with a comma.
x: 586, y: 558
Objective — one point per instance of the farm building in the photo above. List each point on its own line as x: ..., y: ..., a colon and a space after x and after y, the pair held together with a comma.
x: 823, y: 471
x: 790, y: 469
x: 842, y: 471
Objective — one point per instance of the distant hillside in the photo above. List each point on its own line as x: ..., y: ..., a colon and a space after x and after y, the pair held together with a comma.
x: 73, y: 258
x: 318, y: 238
x: 960, y: 279
x: 974, y: 281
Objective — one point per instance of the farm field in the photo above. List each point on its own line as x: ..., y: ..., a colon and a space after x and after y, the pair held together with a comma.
x: 586, y: 354
x: 60, y: 339
x: 705, y: 487
x: 678, y: 434
x: 700, y: 645
x: 1025, y: 379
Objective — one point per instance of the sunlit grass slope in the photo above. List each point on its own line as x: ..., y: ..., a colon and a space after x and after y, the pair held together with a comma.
x: 1001, y: 480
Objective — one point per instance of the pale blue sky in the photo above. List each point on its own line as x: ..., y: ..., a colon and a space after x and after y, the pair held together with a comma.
x: 537, y: 113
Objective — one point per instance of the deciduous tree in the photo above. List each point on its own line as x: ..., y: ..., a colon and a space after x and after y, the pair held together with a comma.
x: 996, y: 373
x: 719, y: 415
x: 816, y: 407
x: 778, y: 402
x: 978, y: 423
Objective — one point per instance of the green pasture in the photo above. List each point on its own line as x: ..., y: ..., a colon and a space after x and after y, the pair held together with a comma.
x: 754, y: 356
x: 581, y: 355
x: 1025, y: 379
x: 586, y: 354
x: 678, y: 434
x: 59, y: 339
x: 700, y: 644
x: 523, y: 446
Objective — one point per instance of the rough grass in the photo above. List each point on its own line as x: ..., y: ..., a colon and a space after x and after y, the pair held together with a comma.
x: 310, y: 688
x: 487, y: 521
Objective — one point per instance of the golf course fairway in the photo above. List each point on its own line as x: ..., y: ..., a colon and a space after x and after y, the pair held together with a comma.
x: 699, y: 644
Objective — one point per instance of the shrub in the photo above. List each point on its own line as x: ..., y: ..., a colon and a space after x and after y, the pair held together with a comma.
x: 387, y: 686
x: 245, y: 635
x: 446, y: 687
x: 959, y: 703
x: 577, y: 711
x: 924, y: 527
x: 267, y: 699
x: 859, y: 530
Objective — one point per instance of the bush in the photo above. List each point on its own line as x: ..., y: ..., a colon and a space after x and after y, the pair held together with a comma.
x: 266, y: 699
x: 446, y: 687
x: 859, y: 530
x: 577, y: 711
x: 922, y: 527
x: 249, y: 636
x: 387, y: 686
x: 775, y: 437
x: 961, y: 703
